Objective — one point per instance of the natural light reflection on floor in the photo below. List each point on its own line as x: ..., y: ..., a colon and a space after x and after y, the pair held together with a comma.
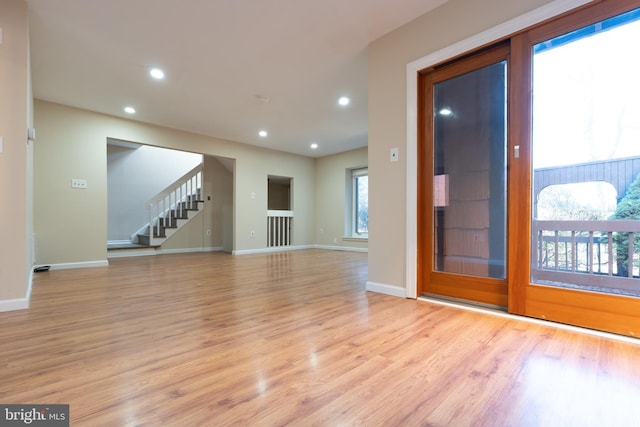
x: 559, y: 392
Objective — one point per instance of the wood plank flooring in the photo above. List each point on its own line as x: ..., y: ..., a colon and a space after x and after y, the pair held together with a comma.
x: 293, y: 338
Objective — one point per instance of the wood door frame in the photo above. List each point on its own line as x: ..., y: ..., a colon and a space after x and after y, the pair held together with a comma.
x: 485, y: 290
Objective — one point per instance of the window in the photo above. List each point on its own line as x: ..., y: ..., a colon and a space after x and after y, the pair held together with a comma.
x: 358, y: 191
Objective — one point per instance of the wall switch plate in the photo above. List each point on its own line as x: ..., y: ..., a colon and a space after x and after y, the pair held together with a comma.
x: 79, y: 184
x: 393, y: 154
x: 1, y: 144
x: 0, y: 35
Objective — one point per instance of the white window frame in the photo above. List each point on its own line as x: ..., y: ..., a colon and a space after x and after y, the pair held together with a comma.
x: 351, y: 211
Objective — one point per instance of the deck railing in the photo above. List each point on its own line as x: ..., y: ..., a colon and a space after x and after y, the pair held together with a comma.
x: 588, y: 253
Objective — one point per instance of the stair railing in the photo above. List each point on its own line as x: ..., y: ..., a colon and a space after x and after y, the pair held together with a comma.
x: 173, y: 201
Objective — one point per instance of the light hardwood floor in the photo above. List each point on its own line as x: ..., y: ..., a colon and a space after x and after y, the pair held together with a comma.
x: 293, y: 338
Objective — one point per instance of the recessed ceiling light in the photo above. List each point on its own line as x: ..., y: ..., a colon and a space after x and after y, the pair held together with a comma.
x: 344, y: 100
x: 263, y: 133
x: 156, y: 73
x: 313, y: 146
x: 129, y: 110
x: 445, y: 111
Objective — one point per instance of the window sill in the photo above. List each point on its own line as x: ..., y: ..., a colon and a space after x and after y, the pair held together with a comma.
x: 355, y: 239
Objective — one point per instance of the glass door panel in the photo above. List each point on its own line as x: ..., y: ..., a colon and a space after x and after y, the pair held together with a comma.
x: 469, y: 174
x: 463, y: 177
x: 586, y: 158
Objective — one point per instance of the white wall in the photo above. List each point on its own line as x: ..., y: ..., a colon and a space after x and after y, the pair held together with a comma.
x: 135, y: 174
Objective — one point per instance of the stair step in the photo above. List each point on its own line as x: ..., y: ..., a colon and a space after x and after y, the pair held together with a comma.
x: 191, y: 203
x: 143, y: 239
x: 168, y: 222
x: 191, y: 206
x: 179, y: 215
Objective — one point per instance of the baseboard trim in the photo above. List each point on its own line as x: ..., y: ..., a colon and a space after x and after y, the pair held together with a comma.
x: 84, y: 264
x: 118, y: 242
x: 126, y: 253
x: 381, y: 288
x: 189, y: 250
x: 274, y: 249
x: 14, y: 304
x: 297, y: 248
x: 19, y: 303
x: 342, y: 248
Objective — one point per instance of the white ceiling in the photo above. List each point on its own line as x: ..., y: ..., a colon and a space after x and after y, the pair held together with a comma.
x: 232, y: 67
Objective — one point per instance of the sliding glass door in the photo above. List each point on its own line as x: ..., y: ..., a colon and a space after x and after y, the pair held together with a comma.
x: 465, y: 165
x: 529, y: 171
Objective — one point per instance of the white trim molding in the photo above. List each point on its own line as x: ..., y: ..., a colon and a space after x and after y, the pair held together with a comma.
x: 142, y: 251
x: 189, y: 250
x: 540, y: 14
x: 297, y: 248
x: 14, y: 304
x: 19, y: 303
x: 83, y: 264
x: 126, y: 253
x: 118, y: 242
x: 273, y: 249
x: 381, y: 288
x: 342, y: 248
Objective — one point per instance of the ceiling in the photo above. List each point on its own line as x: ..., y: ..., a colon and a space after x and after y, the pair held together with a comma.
x: 233, y: 67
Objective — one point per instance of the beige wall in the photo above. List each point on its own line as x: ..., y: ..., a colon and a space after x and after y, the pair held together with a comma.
x: 70, y: 225
x: 330, y: 196
x: 453, y: 22
x: 15, y: 160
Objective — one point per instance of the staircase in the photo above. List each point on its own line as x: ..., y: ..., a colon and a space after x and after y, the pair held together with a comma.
x: 171, y: 209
